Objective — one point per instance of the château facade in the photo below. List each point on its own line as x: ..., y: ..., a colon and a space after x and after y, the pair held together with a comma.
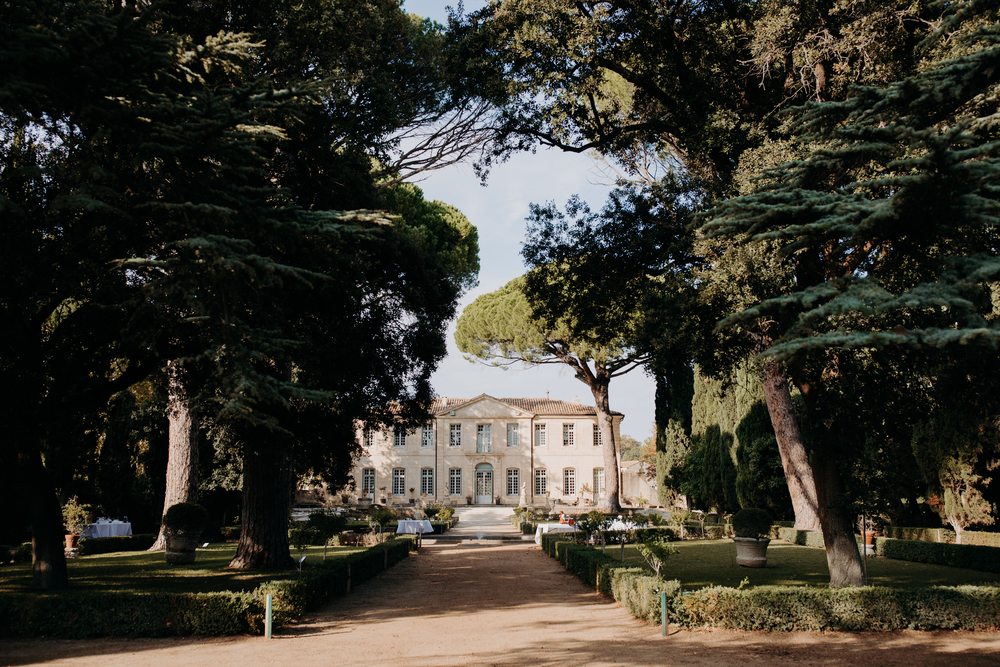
x: 486, y: 450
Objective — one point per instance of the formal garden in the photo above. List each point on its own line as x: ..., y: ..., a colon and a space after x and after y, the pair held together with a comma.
x: 673, y: 569
x: 121, y: 588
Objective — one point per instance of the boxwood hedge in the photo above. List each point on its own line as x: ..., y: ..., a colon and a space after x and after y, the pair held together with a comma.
x: 80, y: 614
x: 781, y: 608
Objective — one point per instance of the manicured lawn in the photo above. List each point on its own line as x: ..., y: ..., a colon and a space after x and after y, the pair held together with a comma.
x: 140, y: 571
x: 702, y: 563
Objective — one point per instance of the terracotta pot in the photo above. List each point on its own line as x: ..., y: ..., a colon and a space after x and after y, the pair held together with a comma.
x: 751, y: 552
x: 72, y: 541
x: 869, y: 536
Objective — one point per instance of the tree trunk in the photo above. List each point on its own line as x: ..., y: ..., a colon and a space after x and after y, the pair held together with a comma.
x: 605, y: 424
x: 267, y: 488
x: 182, y: 456
x: 842, y: 555
x: 48, y: 560
x: 794, y: 460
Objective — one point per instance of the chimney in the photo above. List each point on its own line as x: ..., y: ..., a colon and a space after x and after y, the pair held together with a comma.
x: 576, y: 400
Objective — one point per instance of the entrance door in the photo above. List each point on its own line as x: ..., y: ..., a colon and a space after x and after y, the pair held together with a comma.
x: 484, y: 484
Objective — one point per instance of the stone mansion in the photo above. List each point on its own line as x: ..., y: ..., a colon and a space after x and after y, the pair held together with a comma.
x: 487, y: 450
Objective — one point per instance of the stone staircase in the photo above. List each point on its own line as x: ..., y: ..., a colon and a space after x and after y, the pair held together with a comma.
x: 481, y: 524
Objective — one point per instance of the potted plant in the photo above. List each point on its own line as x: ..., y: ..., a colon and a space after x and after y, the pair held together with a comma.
x: 382, y: 499
x: 751, y: 528
x: 497, y: 500
x: 413, y: 501
x: 183, y: 524
x: 75, y: 519
x: 468, y: 500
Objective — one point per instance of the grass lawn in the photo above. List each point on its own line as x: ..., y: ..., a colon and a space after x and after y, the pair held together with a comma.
x: 141, y: 571
x: 702, y: 563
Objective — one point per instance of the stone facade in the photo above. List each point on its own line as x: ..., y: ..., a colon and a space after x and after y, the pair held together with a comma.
x: 483, y: 449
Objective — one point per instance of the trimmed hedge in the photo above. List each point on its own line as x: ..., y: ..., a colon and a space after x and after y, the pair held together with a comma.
x: 981, y: 539
x: 879, y: 609
x: 944, y: 535
x: 806, y: 538
x: 781, y: 608
x: 91, y: 546
x: 107, y: 613
x: 18, y: 554
x: 968, y: 556
x: 920, y: 534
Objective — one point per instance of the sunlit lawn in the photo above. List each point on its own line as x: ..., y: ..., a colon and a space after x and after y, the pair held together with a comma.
x: 141, y: 571
x: 702, y: 563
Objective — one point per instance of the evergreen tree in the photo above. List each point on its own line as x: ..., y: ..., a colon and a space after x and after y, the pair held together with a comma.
x: 500, y: 327
x: 890, y: 220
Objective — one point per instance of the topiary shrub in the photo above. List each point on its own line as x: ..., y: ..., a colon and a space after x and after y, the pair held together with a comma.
x: 752, y: 522
x: 183, y: 524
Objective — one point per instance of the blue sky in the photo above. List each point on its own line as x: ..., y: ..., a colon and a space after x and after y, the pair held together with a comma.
x: 498, y: 211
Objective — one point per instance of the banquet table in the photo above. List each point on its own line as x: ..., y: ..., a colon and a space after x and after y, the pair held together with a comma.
x: 552, y: 528
x: 107, y: 529
x: 414, y: 526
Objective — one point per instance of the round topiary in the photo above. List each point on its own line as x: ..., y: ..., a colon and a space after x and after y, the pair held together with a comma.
x: 185, y: 518
x: 752, y: 522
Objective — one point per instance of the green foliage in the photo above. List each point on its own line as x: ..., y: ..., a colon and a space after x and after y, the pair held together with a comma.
x: 446, y: 513
x: 920, y: 534
x: 752, y: 522
x: 971, y: 557
x: 76, y: 516
x: 807, y: 538
x: 656, y: 552
x: 326, y: 523
x: 95, y: 613
x: 733, y: 461
x: 782, y: 608
x: 185, y: 518
x: 952, y: 452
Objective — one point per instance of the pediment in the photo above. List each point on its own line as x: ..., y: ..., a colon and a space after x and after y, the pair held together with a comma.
x: 484, y: 407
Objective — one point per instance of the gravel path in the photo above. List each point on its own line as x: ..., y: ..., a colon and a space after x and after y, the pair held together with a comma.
x: 501, y: 603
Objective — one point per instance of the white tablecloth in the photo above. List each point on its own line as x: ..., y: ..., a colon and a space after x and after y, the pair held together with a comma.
x: 618, y: 524
x: 414, y: 526
x: 543, y: 528
x: 108, y: 529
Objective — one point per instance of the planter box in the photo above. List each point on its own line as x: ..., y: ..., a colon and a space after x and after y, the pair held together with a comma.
x: 751, y: 552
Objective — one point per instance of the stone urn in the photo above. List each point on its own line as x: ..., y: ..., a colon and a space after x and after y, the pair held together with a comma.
x: 181, y: 547
x: 751, y: 552
x: 751, y: 527
x: 183, y: 524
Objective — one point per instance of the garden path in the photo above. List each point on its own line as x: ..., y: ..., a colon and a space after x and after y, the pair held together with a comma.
x: 500, y: 603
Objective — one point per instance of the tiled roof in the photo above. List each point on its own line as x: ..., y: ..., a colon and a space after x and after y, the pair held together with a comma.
x: 538, y: 406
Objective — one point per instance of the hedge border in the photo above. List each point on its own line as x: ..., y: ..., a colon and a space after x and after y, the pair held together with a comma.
x: 781, y: 608
x: 87, y: 614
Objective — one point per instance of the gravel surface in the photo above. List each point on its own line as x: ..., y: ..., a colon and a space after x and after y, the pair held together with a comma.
x: 501, y: 603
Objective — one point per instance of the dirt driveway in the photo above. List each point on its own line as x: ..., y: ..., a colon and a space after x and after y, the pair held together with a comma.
x: 501, y: 604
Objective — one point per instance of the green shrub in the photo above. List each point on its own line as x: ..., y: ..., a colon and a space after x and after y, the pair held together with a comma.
x: 968, y: 556
x: 981, y: 539
x: 920, y: 534
x: 90, y: 546
x: 230, y: 533
x: 186, y: 518
x: 782, y: 608
x: 82, y: 614
x: 806, y: 538
x: 752, y: 522
x: 17, y: 554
